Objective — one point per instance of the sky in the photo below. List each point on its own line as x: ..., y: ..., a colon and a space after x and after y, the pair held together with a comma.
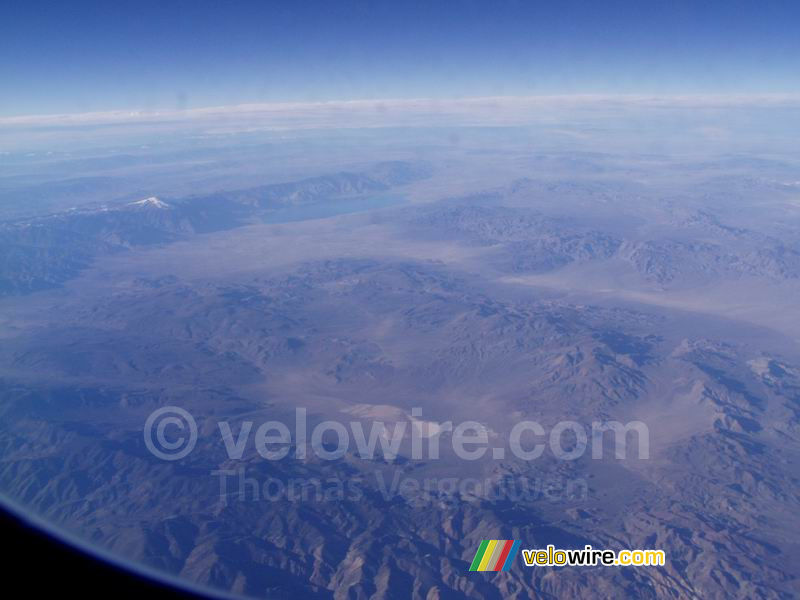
x: 74, y: 57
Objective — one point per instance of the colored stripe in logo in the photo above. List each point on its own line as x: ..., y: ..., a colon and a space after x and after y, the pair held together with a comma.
x: 495, y: 555
x: 501, y: 560
x: 512, y: 554
x: 479, y: 555
x: 487, y: 555
x: 498, y: 550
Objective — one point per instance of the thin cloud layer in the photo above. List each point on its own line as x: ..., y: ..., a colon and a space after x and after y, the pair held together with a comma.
x: 390, y: 111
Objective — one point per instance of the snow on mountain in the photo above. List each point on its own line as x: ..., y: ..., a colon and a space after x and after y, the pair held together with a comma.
x: 151, y: 202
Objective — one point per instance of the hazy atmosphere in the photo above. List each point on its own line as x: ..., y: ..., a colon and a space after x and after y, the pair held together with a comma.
x: 377, y: 300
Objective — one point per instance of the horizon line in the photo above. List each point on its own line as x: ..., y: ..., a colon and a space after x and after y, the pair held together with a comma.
x: 434, y: 105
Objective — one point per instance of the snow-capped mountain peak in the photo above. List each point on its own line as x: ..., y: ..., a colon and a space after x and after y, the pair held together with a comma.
x: 151, y: 202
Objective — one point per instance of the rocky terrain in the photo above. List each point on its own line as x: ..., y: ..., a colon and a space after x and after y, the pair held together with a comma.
x: 475, y: 307
x: 44, y: 252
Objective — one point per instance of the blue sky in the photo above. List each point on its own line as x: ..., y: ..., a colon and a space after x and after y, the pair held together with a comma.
x: 69, y: 57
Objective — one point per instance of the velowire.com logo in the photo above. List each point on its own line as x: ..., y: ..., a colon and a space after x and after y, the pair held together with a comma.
x: 495, y: 555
